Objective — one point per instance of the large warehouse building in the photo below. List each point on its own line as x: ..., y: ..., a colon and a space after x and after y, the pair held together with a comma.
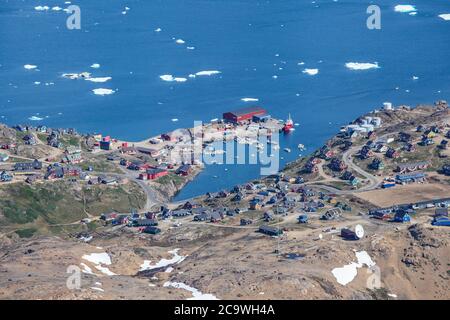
x: 243, y: 114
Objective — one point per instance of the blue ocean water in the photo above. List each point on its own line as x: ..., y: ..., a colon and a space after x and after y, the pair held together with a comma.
x: 248, y: 41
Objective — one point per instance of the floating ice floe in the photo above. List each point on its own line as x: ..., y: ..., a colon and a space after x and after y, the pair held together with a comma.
x: 100, y: 79
x: 347, y: 273
x: 196, y: 294
x: 445, y: 16
x: 171, y: 78
x: 30, y: 66
x: 95, y: 66
x: 207, y: 73
x: 250, y: 99
x: 35, y: 118
x: 41, y: 8
x: 311, y: 72
x: 146, y: 265
x: 362, y: 65
x: 180, y: 41
x: 102, y: 91
x: 405, y: 8
x: 73, y: 76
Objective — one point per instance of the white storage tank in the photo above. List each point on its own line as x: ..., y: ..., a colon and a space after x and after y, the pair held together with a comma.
x: 387, y: 106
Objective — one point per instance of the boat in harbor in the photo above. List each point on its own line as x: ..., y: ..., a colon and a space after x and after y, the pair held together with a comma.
x: 288, y: 125
x: 287, y: 150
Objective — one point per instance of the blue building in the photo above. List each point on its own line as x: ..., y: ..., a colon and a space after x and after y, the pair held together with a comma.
x: 410, y: 177
x: 402, y: 216
x: 303, y: 218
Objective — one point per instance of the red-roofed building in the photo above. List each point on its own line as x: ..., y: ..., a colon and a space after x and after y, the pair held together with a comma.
x: 243, y: 114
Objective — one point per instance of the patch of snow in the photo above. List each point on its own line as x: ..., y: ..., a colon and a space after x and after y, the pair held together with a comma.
x: 347, y: 273
x: 86, y: 269
x: 105, y: 270
x: 146, y: 265
x: 311, y: 72
x: 362, y: 65
x: 196, y: 294
x: 98, y: 258
x: 102, y: 91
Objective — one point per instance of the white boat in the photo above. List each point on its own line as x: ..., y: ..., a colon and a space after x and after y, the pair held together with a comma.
x: 287, y: 149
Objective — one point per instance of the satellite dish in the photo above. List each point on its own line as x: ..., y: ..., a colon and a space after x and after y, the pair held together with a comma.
x: 359, y: 231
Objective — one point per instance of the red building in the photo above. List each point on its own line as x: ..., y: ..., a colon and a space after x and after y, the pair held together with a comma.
x: 153, y: 174
x: 243, y: 114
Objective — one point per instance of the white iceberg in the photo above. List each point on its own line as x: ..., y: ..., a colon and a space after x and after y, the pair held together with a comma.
x: 207, y: 73
x: 171, y: 78
x: 406, y: 8
x: 362, y: 65
x: 311, y: 72
x: 100, y: 79
x: 102, y: 91
x: 30, y: 66
x: 42, y: 8
x: 35, y: 118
